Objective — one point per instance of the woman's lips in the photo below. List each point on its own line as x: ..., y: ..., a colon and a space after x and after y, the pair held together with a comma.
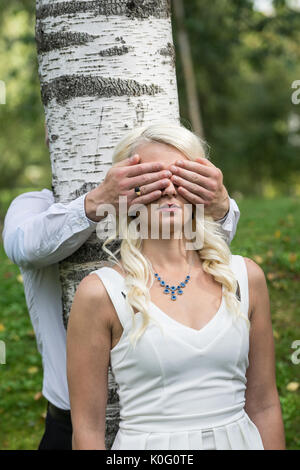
x: 169, y: 209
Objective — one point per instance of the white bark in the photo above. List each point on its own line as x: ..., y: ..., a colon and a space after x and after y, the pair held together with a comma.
x: 105, y: 67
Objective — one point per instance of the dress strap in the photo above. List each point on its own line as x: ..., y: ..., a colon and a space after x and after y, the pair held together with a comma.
x: 239, y: 269
x: 115, y: 287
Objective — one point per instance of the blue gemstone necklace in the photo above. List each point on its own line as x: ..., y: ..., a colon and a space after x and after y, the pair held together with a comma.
x: 173, y: 290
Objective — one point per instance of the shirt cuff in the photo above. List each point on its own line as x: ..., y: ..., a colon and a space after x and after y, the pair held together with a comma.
x: 232, y: 215
x: 78, y: 206
x: 220, y: 221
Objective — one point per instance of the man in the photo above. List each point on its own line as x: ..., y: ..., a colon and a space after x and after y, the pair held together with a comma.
x: 38, y: 233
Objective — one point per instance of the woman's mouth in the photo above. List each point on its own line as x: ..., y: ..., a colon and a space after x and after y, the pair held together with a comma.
x: 169, y: 209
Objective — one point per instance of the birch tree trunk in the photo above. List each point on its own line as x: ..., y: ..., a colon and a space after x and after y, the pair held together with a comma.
x: 105, y: 67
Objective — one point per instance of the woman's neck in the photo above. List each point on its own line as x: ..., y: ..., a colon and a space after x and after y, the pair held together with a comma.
x: 170, y: 254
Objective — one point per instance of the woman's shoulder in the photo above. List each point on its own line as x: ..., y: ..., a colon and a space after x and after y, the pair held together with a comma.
x: 255, y: 273
x: 91, y: 290
x: 108, y: 267
x: 255, y: 280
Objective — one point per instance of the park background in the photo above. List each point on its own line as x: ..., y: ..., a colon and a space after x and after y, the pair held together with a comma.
x: 246, y: 56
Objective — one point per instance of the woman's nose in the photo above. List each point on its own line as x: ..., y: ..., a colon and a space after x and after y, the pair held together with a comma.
x: 170, y: 190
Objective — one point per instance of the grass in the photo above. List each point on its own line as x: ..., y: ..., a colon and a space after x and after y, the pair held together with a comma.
x: 21, y: 413
x: 268, y: 232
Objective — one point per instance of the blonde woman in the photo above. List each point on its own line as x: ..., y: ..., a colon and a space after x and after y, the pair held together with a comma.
x: 187, y: 333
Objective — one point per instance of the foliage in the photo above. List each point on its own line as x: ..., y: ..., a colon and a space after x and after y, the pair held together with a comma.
x: 24, y: 158
x: 245, y: 63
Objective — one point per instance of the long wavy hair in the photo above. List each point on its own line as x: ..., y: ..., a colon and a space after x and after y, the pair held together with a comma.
x: 139, y: 274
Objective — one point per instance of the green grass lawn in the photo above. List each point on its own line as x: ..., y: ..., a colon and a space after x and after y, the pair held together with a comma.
x: 268, y: 232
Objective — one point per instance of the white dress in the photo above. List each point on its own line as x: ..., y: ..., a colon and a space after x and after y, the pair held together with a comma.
x: 182, y: 388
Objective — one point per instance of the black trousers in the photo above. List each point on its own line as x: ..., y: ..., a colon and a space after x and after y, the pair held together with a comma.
x: 58, y: 433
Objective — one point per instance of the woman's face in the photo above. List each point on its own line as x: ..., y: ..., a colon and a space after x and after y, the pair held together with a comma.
x: 165, y: 214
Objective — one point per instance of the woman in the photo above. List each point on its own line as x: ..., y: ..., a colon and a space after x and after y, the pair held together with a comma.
x: 187, y: 333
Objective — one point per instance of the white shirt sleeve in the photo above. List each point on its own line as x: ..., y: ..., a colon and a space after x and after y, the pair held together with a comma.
x: 39, y: 232
x: 230, y: 221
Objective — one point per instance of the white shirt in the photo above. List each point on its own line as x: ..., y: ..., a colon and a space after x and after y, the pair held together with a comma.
x: 38, y: 233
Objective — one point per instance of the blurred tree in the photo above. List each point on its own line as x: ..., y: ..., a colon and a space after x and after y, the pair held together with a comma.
x: 188, y: 69
x: 245, y: 65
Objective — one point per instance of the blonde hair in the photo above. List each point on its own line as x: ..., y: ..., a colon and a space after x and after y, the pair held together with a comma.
x: 214, y: 254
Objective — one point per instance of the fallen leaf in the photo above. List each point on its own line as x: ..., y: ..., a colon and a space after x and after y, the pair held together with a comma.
x: 8, y: 274
x: 277, y: 234
x: 276, y: 334
x: 20, y: 278
x: 292, y: 386
x: 32, y: 370
x: 258, y: 259
x: 38, y: 396
x: 292, y: 257
x: 280, y: 285
x: 2, y: 327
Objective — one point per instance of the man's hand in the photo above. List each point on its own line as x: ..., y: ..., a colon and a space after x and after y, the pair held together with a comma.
x: 121, y: 179
x: 201, y: 182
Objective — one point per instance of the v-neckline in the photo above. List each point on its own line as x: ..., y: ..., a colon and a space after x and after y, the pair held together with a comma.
x: 197, y: 331
x: 178, y: 323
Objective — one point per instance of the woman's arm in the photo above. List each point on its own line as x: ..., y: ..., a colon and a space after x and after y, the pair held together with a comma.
x: 262, y: 399
x: 88, y: 354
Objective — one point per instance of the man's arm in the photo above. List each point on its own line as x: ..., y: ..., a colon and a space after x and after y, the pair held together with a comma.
x: 230, y: 220
x: 38, y: 232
